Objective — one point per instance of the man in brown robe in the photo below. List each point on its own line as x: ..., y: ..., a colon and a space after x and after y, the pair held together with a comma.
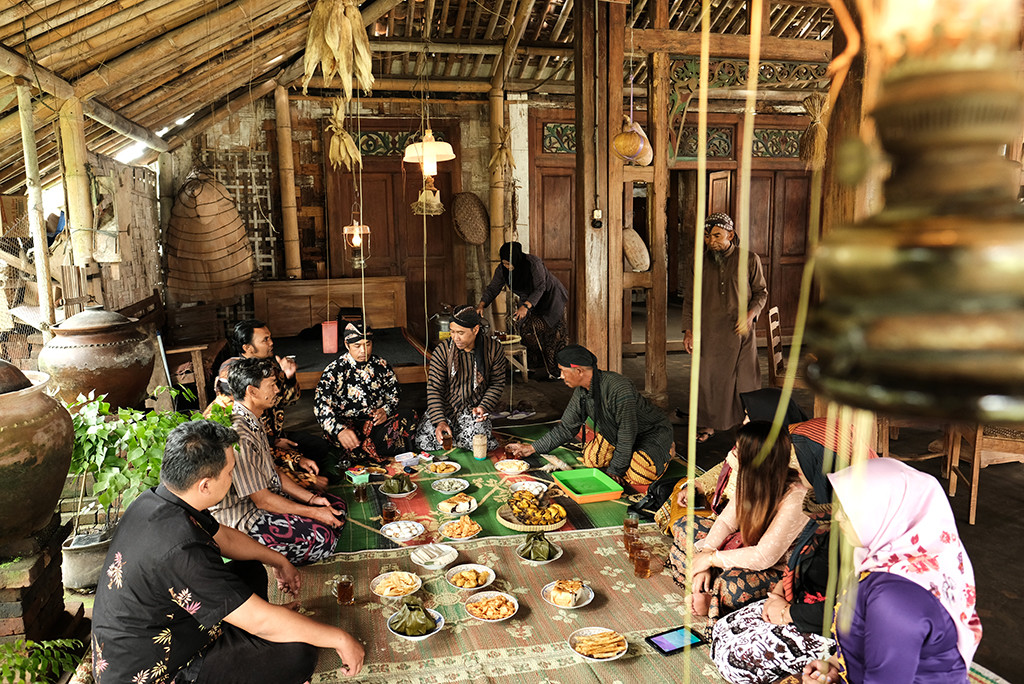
x: 728, y: 360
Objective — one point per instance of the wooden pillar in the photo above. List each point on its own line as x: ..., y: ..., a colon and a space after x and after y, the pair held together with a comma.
x: 35, y: 208
x: 496, y: 201
x: 76, y: 181
x: 165, y: 183
x: 593, y: 323
x: 657, y: 199
x: 286, y: 172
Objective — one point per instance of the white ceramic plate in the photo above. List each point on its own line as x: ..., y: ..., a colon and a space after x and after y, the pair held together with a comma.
x: 432, y: 613
x: 399, y: 496
x: 434, y: 556
x: 533, y: 486
x: 483, y: 595
x: 449, y: 485
x: 452, y: 572
x: 472, y: 507
x: 430, y: 468
x: 586, y: 596
x: 590, y: 631
x: 558, y: 554
x: 512, y: 466
x: 375, y: 582
x: 402, y: 531
x: 442, y: 529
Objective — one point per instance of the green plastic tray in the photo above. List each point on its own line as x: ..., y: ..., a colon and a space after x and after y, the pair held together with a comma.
x: 585, y: 485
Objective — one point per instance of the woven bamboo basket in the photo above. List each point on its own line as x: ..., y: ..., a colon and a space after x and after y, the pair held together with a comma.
x: 506, y: 518
x: 471, y: 220
x: 635, y: 250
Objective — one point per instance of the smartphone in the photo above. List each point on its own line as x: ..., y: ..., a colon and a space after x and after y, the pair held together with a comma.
x: 674, y: 640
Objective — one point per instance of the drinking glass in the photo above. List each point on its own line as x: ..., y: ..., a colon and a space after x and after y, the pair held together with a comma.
x: 641, y: 561
x: 344, y: 590
x: 389, y: 511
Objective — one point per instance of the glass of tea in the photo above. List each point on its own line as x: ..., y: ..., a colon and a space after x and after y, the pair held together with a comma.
x: 631, y: 521
x: 641, y: 561
x: 446, y: 442
x: 630, y: 538
x: 389, y: 511
x: 344, y: 590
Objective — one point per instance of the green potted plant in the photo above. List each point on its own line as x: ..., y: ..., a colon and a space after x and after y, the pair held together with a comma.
x: 120, y: 454
x: 37, y: 661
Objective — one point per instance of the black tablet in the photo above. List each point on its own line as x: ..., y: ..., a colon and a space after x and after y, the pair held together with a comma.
x: 674, y: 640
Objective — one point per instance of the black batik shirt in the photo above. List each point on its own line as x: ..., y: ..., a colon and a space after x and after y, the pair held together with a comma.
x: 163, y: 594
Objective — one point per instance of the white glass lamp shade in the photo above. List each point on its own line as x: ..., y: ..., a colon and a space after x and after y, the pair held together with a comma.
x: 428, y: 152
x: 356, y: 235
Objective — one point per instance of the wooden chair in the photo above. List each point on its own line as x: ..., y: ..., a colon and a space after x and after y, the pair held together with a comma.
x: 986, y: 445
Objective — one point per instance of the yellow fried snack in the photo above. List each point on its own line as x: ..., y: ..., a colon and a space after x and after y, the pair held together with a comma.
x: 469, y: 579
x: 397, y: 584
x: 494, y: 608
x: 601, y: 645
x: 461, y: 528
x: 443, y: 467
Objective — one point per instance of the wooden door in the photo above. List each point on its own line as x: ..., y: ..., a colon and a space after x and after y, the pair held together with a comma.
x: 720, y: 192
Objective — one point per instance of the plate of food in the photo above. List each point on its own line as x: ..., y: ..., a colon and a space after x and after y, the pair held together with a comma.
x: 469, y: 576
x: 402, y: 531
x: 395, y: 584
x: 444, y: 468
x: 399, y: 621
x: 598, y: 644
x: 535, y: 487
x: 534, y: 554
x: 492, y: 606
x: 512, y: 466
x: 434, y: 556
x: 459, y: 504
x: 449, y: 485
x: 570, y: 594
x: 463, y: 528
x: 397, y: 487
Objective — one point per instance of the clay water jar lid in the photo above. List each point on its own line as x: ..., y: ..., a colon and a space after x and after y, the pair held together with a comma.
x: 11, y: 378
x: 93, y: 320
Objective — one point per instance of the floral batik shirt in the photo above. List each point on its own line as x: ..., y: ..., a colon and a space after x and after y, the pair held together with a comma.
x: 349, y: 391
x: 163, y: 593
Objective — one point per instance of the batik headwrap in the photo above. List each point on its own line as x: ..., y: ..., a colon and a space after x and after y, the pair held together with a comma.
x: 578, y: 356
x: 355, y: 331
x: 467, y: 317
x: 719, y: 219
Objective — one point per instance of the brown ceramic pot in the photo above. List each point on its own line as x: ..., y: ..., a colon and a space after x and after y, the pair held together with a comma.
x: 100, y: 351
x: 36, y: 440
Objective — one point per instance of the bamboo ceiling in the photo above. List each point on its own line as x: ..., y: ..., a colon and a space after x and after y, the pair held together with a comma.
x: 158, y: 61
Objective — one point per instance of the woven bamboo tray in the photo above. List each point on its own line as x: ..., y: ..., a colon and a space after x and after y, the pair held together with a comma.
x: 506, y: 518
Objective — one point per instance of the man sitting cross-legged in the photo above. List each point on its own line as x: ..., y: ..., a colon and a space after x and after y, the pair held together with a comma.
x: 169, y: 608
x: 275, y: 511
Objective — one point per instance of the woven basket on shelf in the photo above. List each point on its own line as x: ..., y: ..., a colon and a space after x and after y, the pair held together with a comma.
x: 506, y: 518
x: 471, y: 220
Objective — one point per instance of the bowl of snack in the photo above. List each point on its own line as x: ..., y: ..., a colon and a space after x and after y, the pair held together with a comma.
x: 414, y: 622
x: 444, y: 468
x: 434, y: 556
x: 398, y: 487
x: 535, y: 487
x: 469, y: 576
x: 459, y: 504
x: 567, y: 594
x: 402, y: 531
x: 449, y: 485
x: 492, y: 606
x: 598, y: 643
x: 463, y: 528
x: 395, y: 584
x: 512, y: 466
x: 537, y: 550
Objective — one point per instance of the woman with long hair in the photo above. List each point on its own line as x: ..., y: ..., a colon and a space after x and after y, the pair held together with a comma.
x: 743, y: 553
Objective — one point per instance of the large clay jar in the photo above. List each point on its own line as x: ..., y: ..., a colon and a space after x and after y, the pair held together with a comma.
x: 36, y: 440
x: 102, y: 351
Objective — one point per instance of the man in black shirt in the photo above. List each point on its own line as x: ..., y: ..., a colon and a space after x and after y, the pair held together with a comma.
x: 170, y: 609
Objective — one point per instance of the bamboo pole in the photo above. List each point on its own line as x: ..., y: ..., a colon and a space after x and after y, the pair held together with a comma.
x: 76, y: 181
x: 35, y: 210
x: 286, y: 172
x: 123, y: 125
x: 165, y: 181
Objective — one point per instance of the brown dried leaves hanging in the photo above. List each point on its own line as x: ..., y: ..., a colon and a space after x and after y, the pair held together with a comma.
x: 343, y: 148
x: 338, y: 44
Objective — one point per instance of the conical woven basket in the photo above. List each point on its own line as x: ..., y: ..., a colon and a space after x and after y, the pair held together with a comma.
x: 471, y: 220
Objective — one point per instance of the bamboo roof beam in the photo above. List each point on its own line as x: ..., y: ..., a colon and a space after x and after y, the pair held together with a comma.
x: 556, y: 33
x: 681, y: 17
x: 730, y: 46
x: 123, y: 125
x: 428, y: 22
x: 64, y: 29
x: 16, y: 12
x: 456, y: 31
x: 489, y: 35
x: 438, y: 47
x: 515, y: 34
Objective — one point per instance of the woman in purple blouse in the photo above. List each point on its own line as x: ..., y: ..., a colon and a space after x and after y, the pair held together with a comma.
x: 911, y: 616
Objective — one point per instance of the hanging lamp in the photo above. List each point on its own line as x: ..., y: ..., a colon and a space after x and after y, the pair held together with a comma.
x: 428, y: 152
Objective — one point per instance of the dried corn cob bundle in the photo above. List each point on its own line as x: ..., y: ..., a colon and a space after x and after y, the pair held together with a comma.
x: 343, y: 148
x: 502, y: 159
x: 338, y: 43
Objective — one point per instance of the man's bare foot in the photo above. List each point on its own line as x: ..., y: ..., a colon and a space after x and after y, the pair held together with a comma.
x: 703, y: 434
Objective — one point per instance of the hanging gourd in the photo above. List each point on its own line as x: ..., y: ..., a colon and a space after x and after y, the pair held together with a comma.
x: 338, y: 44
x: 632, y: 144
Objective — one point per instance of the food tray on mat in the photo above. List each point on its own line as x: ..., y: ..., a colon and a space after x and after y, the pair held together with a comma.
x: 586, y: 485
x: 506, y: 518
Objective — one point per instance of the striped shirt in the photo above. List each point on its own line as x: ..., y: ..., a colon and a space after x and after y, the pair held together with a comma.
x: 455, y: 384
x: 254, y: 471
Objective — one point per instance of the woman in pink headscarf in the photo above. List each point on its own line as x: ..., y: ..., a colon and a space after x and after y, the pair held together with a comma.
x: 913, y: 615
